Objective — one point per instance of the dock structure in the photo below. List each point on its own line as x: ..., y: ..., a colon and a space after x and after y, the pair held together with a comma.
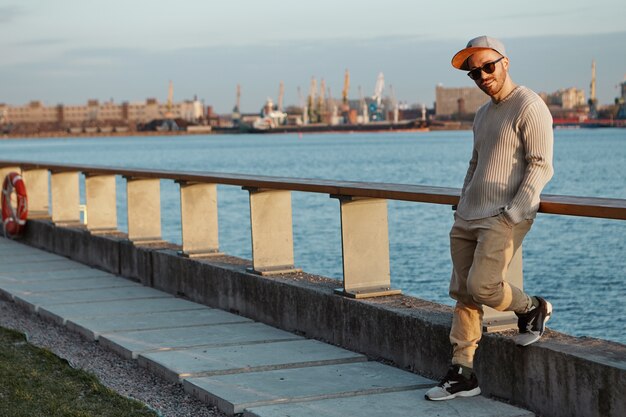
x: 263, y: 338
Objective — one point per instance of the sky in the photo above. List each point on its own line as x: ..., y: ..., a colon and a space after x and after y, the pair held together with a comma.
x: 70, y: 51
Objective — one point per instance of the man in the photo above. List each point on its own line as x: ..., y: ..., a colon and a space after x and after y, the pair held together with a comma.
x: 511, y: 163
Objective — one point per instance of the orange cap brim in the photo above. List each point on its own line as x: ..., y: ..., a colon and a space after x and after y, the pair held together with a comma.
x: 459, y: 61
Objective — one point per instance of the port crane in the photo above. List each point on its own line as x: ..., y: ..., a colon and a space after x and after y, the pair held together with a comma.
x: 363, y: 105
x: 303, y: 106
x: 345, y: 106
x: 375, y: 107
x: 621, y: 113
x: 321, y: 102
x: 236, y: 116
x: 394, y: 104
x: 236, y: 109
x: 170, y: 101
x: 281, y: 94
x: 311, y: 101
x: 332, y: 106
x: 593, y: 101
x: 346, y: 88
x: 378, y: 90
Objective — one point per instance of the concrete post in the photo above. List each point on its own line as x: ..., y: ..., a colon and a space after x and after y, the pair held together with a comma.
x: 494, y: 320
x: 365, y: 247
x: 101, y: 203
x: 272, y: 231
x: 144, y: 210
x: 38, y: 191
x: 198, y: 211
x: 65, y: 199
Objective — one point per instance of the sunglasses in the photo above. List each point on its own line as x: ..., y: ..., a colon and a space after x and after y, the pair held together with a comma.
x: 488, y: 68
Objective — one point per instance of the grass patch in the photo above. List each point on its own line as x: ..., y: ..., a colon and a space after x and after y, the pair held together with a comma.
x: 35, y: 382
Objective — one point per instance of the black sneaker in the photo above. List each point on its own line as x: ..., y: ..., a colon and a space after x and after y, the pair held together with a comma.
x: 453, y: 385
x: 531, y: 325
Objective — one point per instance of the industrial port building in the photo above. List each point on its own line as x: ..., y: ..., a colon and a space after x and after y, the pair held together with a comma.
x: 451, y: 101
x: 95, y: 113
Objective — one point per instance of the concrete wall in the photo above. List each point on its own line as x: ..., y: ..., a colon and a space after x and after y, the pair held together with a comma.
x: 562, y: 376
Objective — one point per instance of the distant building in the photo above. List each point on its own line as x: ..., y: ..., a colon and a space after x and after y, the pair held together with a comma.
x: 567, y: 105
x: 458, y: 101
x: 96, y: 113
x: 33, y: 112
x: 567, y: 99
x: 621, y: 102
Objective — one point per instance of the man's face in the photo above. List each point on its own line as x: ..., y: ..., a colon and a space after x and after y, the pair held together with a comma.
x: 492, y: 83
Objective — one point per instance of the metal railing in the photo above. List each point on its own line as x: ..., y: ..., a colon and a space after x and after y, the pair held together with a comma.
x: 363, y: 211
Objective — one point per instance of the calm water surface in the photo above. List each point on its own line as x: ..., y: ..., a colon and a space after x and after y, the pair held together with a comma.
x: 577, y: 263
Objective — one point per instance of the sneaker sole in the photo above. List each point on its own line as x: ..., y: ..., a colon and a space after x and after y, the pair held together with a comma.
x: 471, y: 393
x: 525, y: 339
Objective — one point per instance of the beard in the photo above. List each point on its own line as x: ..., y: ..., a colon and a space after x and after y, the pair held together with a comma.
x: 491, y: 84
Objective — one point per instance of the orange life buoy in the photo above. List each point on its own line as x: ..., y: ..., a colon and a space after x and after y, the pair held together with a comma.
x: 14, y: 218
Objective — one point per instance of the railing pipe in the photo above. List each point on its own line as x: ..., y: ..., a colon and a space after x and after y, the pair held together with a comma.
x: 607, y: 208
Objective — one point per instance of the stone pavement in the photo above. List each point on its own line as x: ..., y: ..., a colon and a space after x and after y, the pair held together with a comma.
x: 240, y: 365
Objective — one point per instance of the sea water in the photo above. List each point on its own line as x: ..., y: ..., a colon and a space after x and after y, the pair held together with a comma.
x: 578, y: 263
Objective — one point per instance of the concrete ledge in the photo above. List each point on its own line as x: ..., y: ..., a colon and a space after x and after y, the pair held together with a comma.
x: 561, y: 376
x: 102, y: 252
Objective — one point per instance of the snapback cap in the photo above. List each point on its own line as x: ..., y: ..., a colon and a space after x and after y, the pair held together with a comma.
x: 459, y: 60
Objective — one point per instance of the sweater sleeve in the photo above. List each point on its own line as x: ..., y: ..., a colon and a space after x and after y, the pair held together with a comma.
x: 474, y: 160
x: 537, y: 137
x: 470, y: 171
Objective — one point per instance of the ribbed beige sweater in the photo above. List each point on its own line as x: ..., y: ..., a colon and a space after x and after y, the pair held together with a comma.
x: 512, y: 158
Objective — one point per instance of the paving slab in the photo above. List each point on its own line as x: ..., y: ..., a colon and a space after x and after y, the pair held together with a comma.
x: 93, y: 327
x: 62, y: 312
x: 8, y: 251
x: 131, y: 344
x: 23, y: 261
x: 207, y: 361
x: 10, y: 248
x: 32, y: 256
x: 35, y: 278
x: 10, y: 287
x: 393, y: 404
x: 222, y: 358
x: 61, y: 264
x: 35, y: 300
x: 5, y: 241
x: 51, y: 275
x: 234, y: 393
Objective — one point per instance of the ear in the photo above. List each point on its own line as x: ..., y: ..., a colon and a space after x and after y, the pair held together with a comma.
x: 505, y: 63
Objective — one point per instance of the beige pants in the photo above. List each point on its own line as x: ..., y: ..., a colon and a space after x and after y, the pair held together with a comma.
x: 481, y: 251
